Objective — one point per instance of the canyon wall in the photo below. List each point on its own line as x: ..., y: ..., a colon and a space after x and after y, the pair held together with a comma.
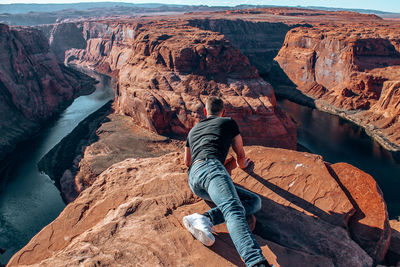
x: 260, y: 41
x: 99, y: 141
x: 166, y: 70
x: 349, y: 70
x: 33, y: 85
x: 163, y: 79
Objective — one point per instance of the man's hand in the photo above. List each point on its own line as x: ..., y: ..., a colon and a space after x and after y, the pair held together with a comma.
x: 243, y: 163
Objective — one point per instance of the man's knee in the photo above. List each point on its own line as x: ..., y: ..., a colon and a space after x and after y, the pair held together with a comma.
x: 257, y: 203
x: 232, y: 208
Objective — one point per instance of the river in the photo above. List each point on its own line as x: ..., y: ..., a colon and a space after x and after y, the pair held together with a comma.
x: 338, y: 140
x: 30, y: 200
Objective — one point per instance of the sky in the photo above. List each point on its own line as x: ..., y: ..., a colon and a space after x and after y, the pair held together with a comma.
x: 383, y: 5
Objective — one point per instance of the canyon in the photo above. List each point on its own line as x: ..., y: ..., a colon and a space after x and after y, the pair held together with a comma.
x: 121, y: 170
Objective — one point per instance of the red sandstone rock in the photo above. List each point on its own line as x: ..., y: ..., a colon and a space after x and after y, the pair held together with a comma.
x: 369, y: 226
x: 34, y: 87
x: 297, y: 180
x: 133, y: 214
x: 345, y: 61
x: 98, y: 142
x: 341, y: 68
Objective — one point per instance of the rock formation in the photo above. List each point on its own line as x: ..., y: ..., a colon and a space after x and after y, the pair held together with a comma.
x: 33, y: 86
x: 165, y: 76
x: 64, y: 36
x: 347, y: 65
x: 260, y: 41
x: 133, y: 213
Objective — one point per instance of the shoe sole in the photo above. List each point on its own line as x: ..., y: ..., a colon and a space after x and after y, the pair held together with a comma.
x: 198, y: 234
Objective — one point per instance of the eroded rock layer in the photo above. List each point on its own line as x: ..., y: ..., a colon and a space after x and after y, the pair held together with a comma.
x: 133, y: 213
x: 347, y: 65
x: 33, y: 86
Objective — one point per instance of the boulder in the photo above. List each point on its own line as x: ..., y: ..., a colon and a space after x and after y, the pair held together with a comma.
x: 369, y: 226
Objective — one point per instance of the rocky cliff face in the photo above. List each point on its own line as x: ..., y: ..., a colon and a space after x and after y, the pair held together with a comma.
x: 166, y: 70
x: 133, y: 213
x: 347, y: 65
x: 349, y: 71
x: 33, y: 86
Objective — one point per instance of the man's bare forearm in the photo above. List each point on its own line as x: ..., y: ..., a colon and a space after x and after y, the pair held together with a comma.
x: 237, y: 146
x: 241, y: 158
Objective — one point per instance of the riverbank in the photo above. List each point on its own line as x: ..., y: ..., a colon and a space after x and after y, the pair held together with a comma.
x: 30, y: 200
x: 17, y: 133
x: 297, y: 96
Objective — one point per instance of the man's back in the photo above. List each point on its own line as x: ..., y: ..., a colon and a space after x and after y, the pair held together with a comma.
x: 212, y: 137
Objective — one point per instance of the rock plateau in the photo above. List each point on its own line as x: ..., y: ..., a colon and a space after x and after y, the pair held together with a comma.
x: 132, y: 215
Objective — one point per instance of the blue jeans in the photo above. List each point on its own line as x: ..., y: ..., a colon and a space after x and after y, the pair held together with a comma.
x: 210, y: 180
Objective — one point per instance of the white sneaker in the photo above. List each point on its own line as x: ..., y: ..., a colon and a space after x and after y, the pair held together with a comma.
x: 200, y: 227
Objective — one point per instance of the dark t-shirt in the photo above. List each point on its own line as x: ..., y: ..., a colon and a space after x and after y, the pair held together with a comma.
x: 211, y: 138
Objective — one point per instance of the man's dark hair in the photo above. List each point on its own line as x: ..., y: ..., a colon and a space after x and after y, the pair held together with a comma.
x: 214, y: 105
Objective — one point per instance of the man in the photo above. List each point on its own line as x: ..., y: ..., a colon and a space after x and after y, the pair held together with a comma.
x: 207, y: 146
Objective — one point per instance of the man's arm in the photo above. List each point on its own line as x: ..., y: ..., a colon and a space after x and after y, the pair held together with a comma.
x: 237, y: 145
x: 188, y: 156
